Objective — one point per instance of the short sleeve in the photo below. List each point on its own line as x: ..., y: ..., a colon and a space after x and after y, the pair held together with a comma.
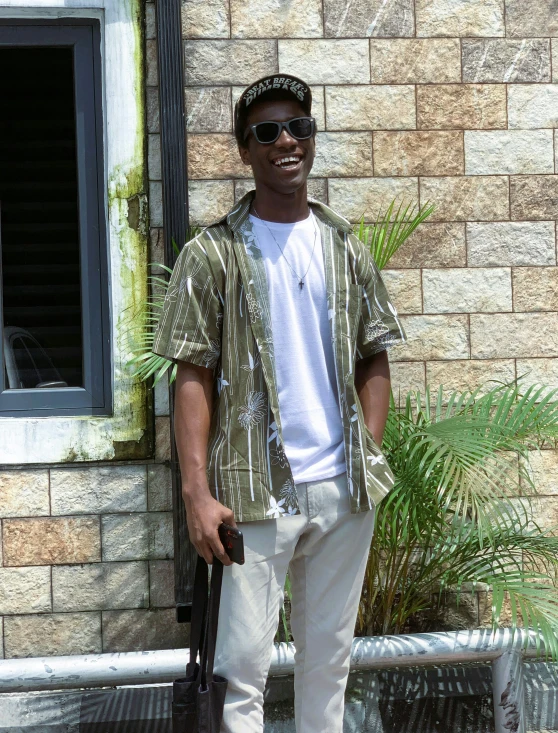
x: 379, y: 325
x: 189, y: 328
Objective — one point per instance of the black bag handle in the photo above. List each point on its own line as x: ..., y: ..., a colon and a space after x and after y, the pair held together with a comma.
x: 199, y: 613
x: 208, y: 652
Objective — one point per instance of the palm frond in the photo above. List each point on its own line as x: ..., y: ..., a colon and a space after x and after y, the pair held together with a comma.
x: 142, y: 327
x: 391, y: 229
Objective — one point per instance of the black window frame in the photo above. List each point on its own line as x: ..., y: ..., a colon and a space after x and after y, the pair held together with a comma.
x: 83, y: 35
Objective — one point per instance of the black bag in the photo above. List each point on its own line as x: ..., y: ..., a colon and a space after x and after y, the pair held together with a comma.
x: 199, y: 698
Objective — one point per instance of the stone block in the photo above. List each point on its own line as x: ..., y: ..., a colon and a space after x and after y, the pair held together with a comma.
x: 98, y: 489
x: 276, y: 19
x: 205, y: 19
x: 159, y: 488
x: 151, y: 64
x: 354, y: 107
x: 137, y: 536
x: 100, y: 586
x: 161, y: 584
x: 514, y: 335
x: 25, y: 590
x: 317, y: 189
x: 318, y: 106
x: 161, y: 396
x: 554, y: 60
x: 535, y: 289
x: 162, y: 439
x: 228, y: 62
x: 215, y: 156
x: 326, y: 61
x: 543, y: 471
x: 2, y: 639
x: 500, y: 152
x: 24, y: 493
x: 467, y: 290
x: 51, y: 540
x: 343, y: 154
x: 433, y: 337
x: 534, y: 197
x: 241, y: 187
x: 511, y: 243
x: 152, y: 108
x: 154, y: 157
x: 534, y: 18
x: 156, y: 249
x: 438, y: 153
x: 208, y: 109
x: 415, y: 61
x: 406, y: 376
x: 404, y: 287
x: 460, y: 17
x: 53, y: 634
x: 545, y: 512
x: 150, y: 21
x: 460, y: 611
x: 155, y: 204
x: 463, y: 376
x: 369, y: 18
x: 209, y: 200
x: 539, y: 373
x: 533, y: 105
x: 134, y: 631
x: 506, y: 60
x: 433, y: 245
x: 357, y: 197
x: 461, y: 106
x: 466, y: 198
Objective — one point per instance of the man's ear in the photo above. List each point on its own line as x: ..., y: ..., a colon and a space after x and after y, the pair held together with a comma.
x: 244, y: 155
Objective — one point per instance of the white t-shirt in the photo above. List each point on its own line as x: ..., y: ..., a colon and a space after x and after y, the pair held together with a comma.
x: 304, y: 360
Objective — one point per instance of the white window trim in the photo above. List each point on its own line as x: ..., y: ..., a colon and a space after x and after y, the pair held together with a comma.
x: 28, y: 440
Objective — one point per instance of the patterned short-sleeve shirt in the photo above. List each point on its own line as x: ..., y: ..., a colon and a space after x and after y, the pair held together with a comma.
x: 216, y: 314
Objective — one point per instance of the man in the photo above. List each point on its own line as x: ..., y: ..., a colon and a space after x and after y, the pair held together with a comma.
x: 279, y: 322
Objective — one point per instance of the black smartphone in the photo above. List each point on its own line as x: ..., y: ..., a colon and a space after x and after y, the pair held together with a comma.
x: 233, y: 542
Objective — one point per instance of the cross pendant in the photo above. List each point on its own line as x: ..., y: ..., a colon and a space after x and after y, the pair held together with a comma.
x: 301, y: 284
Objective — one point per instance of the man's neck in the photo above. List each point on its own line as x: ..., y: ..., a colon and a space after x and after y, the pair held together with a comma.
x: 283, y: 208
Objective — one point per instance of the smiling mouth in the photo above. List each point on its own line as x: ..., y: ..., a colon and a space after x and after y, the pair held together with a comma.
x: 288, y: 162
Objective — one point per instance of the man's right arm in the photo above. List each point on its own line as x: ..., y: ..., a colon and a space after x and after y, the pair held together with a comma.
x: 192, y: 418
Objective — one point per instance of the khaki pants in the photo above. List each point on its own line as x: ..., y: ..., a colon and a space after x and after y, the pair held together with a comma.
x: 325, y: 550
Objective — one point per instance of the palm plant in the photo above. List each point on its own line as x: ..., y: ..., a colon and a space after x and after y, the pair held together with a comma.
x: 146, y: 363
x: 459, y: 512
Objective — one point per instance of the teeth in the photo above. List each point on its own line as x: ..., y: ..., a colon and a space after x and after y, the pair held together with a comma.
x: 290, y: 159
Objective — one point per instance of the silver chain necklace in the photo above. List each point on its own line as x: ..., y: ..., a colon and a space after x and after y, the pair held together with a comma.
x: 294, y: 272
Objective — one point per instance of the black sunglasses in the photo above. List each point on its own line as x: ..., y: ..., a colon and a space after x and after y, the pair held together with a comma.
x: 301, y: 128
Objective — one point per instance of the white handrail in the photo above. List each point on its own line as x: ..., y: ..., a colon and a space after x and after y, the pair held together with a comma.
x: 150, y: 667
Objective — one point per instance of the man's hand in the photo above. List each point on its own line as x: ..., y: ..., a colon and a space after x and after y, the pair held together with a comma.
x: 204, y: 515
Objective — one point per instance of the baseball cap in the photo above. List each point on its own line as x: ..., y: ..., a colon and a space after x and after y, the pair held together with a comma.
x: 279, y: 86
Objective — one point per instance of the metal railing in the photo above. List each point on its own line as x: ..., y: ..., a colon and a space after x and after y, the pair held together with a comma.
x: 504, y: 649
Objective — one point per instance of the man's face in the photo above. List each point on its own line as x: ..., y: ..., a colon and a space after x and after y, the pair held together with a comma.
x: 265, y: 159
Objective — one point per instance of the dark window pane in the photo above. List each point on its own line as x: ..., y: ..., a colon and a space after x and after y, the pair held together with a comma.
x: 39, y: 217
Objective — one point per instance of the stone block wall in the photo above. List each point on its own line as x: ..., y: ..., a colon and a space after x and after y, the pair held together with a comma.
x: 86, y: 560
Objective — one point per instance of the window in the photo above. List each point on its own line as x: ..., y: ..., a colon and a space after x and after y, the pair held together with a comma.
x: 54, y: 345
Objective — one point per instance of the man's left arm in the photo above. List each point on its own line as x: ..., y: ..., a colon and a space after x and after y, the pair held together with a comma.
x: 372, y: 383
